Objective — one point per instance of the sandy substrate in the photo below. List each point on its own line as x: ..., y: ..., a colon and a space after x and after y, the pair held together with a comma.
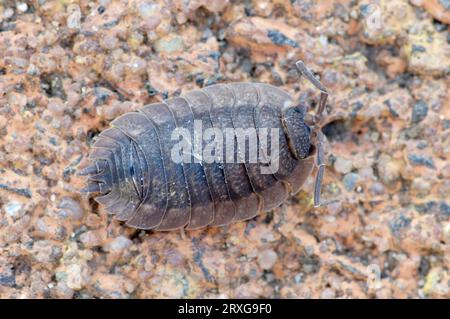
x: 67, y: 68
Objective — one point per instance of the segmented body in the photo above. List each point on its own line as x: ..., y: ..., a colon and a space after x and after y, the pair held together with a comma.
x: 141, y: 184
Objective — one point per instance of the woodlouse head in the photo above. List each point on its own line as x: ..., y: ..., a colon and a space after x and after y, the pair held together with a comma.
x: 298, y: 132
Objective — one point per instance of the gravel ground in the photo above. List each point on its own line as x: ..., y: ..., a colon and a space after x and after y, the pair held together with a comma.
x: 68, y: 67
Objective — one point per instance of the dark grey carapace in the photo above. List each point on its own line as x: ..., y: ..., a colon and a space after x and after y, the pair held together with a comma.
x: 134, y: 177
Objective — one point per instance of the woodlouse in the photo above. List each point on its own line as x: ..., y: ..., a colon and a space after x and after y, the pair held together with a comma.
x: 140, y: 184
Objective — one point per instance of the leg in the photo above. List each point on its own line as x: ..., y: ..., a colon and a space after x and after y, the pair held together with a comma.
x: 323, y: 90
x: 183, y: 233
x: 317, y: 134
x: 320, y: 162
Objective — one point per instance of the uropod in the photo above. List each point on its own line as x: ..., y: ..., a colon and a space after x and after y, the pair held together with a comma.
x: 150, y: 169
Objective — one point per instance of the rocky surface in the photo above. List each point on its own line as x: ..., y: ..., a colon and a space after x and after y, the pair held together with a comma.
x: 69, y: 67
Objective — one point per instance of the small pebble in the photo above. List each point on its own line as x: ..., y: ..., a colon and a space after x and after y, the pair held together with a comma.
x: 92, y: 238
x: 76, y: 276
x: 419, y: 112
x: 267, y: 259
x: 119, y: 244
x: 22, y: 7
x: 7, y: 279
x: 56, y: 106
x: 377, y: 189
x: 419, y: 160
x: 420, y: 186
x: 328, y: 293
x: 74, y: 19
x: 70, y: 208
x: 147, y: 10
x: 169, y: 44
x: 14, y: 210
x: 343, y: 165
x: 350, y: 180
x: 8, y: 13
x: 63, y: 291
x: 45, y: 252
